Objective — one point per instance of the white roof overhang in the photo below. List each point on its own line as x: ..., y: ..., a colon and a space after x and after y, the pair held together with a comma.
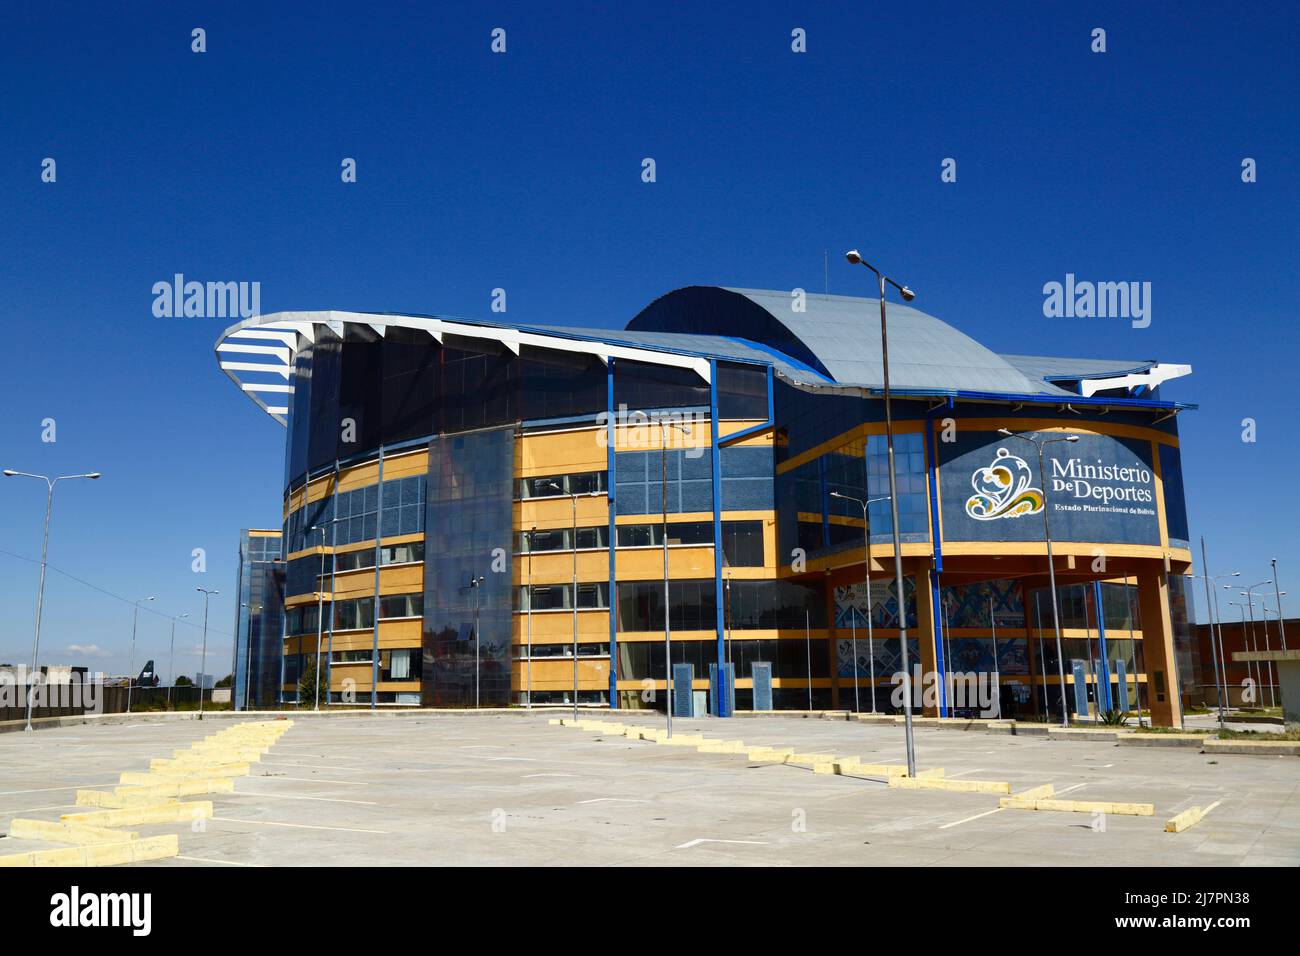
x: 274, y: 340
x: 1152, y: 377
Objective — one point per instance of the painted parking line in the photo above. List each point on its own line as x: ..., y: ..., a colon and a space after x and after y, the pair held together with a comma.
x: 76, y: 786
x: 276, y: 776
x: 57, y: 806
x: 693, y: 843
x: 957, y: 823
x: 988, y: 813
x: 612, y: 800
x: 302, y: 796
x: 310, y: 766
x: 297, y: 826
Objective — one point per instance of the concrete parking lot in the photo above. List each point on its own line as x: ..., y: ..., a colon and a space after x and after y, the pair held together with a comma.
x: 512, y: 789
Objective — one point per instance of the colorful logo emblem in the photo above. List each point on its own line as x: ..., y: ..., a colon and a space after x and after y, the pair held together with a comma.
x: 1004, y: 490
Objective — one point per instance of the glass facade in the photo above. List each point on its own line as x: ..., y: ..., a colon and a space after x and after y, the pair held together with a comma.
x: 356, y: 392
x: 742, y: 392
x: 693, y: 606
x: 475, y: 404
x: 1077, y: 608
x: 813, y: 520
x: 554, y: 597
x: 641, y: 386
x: 350, y: 517
x: 771, y: 605
x: 259, y: 618
x: 467, y: 570
x: 1171, y: 476
x: 641, y: 481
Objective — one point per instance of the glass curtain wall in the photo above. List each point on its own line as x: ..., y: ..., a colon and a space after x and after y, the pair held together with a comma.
x: 467, y: 589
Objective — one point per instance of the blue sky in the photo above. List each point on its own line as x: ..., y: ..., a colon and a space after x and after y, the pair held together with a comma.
x: 522, y: 171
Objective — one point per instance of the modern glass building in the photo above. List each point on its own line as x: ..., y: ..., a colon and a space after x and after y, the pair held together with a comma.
x: 468, y: 501
x: 259, y: 621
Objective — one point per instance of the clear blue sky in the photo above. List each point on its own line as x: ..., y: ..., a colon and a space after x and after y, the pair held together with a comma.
x: 523, y: 171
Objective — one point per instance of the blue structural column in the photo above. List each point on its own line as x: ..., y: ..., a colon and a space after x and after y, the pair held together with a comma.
x: 720, y: 700
x: 379, y: 535
x: 932, y: 487
x: 611, y: 462
x: 334, y: 548
x: 1103, y: 673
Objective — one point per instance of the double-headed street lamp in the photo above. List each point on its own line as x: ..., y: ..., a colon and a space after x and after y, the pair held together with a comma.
x: 1278, y: 594
x: 320, y: 606
x: 866, y: 562
x: 1051, y: 564
x: 1249, y: 595
x: 528, y: 592
x: 203, y: 661
x: 1250, y: 644
x: 908, y: 295
x: 172, y: 665
x: 1265, y: 609
x: 40, y: 590
x: 573, y: 497
x: 130, y: 670
x: 1212, y: 609
x: 476, y: 585
x: 664, y: 425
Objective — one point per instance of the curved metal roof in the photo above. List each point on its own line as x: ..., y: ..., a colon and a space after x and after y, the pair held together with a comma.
x: 839, y: 336
x: 833, y: 342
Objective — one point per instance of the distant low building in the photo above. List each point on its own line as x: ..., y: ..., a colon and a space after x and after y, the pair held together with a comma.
x: 1243, y: 636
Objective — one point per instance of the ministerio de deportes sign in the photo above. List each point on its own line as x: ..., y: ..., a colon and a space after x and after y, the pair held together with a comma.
x: 1099, y: 489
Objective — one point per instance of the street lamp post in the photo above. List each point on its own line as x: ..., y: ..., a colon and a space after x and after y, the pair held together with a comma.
x: 320, y: 615
x: 573, y: 499
x: 1216, y: 639
x: 1223, y: 663
x: 1250, y: 607
x: 908, y: 295
x: 866, y: 563
x: 997, y: 677
x: 1263, y: 624
x: 130, y: 669
x: 1247, y: 644
x: 1264, y: 611
x: 203, y: 661
x: 1278, y: 594
x: 40, y: 590
x: 476, y: 584
x: 528, y: 693
x: 1051, y: 563
x: 172, y: 665
x: 664, y: 425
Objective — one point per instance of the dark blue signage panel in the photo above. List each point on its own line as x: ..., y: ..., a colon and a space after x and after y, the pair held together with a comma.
x: 1099, y: 488
x: 762, y: 673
